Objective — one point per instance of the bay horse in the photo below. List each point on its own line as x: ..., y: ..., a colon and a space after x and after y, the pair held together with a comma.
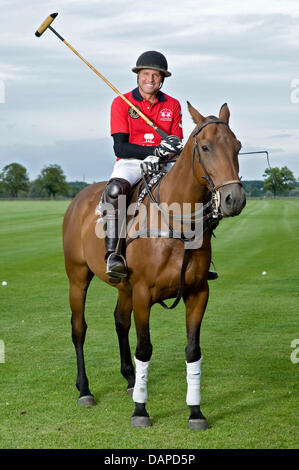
x: 207, y: 165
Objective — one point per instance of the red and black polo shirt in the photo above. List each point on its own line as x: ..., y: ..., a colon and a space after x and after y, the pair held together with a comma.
x: 165, y: 112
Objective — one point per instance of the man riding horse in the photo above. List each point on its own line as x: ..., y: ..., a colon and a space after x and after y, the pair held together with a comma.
x: 135, y: 142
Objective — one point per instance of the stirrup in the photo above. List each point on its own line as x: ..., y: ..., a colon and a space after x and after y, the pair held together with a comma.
x: 213, y: 274
x: 119, y: 262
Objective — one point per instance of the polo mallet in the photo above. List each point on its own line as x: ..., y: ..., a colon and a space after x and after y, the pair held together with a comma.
x: 46, y: 24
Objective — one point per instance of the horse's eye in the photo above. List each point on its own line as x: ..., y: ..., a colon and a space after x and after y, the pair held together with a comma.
x: 205, y: 148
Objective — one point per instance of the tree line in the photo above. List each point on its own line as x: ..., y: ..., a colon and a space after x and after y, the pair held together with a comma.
x: 51, y: 182
x: 277, y: 182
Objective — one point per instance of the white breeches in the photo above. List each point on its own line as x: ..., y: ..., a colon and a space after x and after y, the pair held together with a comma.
x: 129, y: 169
x: 193, y: 382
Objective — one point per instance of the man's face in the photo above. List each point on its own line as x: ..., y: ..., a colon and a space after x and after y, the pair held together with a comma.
x: 149, y: 81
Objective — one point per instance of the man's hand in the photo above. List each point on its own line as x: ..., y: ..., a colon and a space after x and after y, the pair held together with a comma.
x: 170, y: 145
x: 150, y: 165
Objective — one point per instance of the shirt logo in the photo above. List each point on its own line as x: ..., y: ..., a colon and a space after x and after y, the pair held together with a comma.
x: 166, y: 114
x: 132, y: 113
x: 149, y: 138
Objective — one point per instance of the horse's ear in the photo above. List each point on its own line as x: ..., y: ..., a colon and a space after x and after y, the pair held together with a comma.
x: 196, y: 116
x: 224, y: 113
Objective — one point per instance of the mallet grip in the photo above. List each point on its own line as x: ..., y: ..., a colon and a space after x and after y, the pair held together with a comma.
x: 45, y: 24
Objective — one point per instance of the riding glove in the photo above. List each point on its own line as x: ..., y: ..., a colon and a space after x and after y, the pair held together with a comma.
x: 171, y: 144
x: 150, y: 165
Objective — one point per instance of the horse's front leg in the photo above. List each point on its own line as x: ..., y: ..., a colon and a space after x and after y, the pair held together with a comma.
x: 122, y: 315
x: 143, y: 353
x: 195, y: 307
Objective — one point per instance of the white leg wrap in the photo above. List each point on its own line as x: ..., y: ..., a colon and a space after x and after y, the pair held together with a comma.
x: 193, y: 381
x: 140, y: 388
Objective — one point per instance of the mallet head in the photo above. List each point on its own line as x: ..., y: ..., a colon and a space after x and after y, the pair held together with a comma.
x: 45, y: 24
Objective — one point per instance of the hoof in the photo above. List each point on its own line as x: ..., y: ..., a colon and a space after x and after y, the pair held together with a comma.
x: 86, y: 400
x: 140, y: 422
x: 200, y: 424
x: 130, y: 391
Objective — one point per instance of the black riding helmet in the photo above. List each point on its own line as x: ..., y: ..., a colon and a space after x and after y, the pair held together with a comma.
x: 152, y: 60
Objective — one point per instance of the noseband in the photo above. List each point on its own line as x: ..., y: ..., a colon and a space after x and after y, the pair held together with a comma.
x: 214, y: 189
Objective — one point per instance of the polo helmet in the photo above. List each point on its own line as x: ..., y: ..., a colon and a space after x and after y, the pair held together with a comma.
x: 152, y: 60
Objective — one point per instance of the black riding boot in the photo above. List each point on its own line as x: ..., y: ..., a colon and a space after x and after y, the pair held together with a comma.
x: 116, y: 264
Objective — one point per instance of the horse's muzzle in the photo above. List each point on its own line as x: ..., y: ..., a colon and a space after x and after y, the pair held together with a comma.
x: 232, y: 200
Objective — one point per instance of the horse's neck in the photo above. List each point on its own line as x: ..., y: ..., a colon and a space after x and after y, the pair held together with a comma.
x: 180, y: 185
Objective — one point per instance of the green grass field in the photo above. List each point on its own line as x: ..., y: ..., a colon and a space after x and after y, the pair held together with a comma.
x: 249, y: 383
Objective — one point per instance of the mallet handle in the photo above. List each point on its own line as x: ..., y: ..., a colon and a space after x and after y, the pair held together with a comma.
x: 162, y: 134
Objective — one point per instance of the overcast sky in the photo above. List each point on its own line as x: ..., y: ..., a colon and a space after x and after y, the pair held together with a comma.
x: 54, y: 109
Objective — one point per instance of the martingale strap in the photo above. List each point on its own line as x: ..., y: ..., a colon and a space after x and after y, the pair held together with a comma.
x: 181, y: 283
x: 180, y: 291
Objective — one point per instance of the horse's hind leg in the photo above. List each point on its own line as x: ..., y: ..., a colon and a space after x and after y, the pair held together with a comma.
x: 122, y: 315
x: 77, y: 293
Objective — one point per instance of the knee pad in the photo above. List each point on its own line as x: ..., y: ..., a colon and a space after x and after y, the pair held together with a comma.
x: 113, y: 214
x: 116, y: 187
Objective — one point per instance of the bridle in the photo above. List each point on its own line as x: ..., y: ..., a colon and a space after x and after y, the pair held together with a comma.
x: 214, y: 189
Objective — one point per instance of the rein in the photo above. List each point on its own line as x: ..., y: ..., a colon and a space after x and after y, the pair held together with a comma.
x: 214, y: 203
x: 190, y: 218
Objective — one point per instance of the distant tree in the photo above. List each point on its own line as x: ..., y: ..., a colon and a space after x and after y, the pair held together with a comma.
x: 52, y: 180
x: 14, y: 178
x: 279, y: 180
x: 75, y: 187
x: 2, y: 187
x: 36, y: 191
x: 256, y: 192
x: 253, y: 188
x: 294, y: 192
